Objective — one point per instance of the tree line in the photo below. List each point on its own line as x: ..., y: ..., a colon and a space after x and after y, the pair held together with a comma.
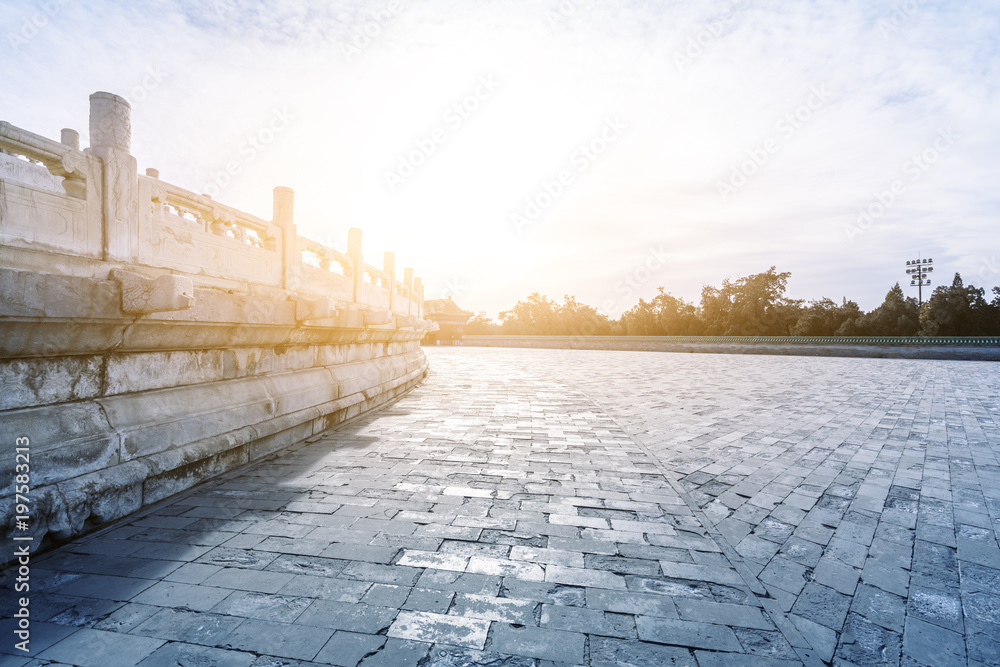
x: 756, y: 305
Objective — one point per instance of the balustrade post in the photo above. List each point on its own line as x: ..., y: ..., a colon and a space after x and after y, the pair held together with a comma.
x: 408, y: 281
x: 70, y: 137
x: 418, y: 295
x: 354, y: 250
x: 283, y: 217
x: 110, y: 140
x: 389, y: 266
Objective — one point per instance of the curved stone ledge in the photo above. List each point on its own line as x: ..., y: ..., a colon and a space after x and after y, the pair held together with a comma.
x: 47, y: 315
x: 126, y: 409
x: 98, y: 460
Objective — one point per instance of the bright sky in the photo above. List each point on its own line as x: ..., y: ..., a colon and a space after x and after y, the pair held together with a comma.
x: 598, y: 149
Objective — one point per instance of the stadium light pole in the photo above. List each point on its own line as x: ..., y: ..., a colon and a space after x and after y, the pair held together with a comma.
x: 918, y: 270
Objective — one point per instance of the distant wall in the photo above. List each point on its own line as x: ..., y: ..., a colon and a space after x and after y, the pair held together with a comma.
x: 978, y: 349
x: 152, y: 337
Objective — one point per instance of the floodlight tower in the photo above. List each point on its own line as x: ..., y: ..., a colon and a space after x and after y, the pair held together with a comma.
x: 918, y: 270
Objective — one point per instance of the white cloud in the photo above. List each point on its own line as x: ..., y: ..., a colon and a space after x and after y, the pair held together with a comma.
x: 230, y: 64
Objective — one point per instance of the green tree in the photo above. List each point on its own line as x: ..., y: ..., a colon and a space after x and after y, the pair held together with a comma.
x: 752, y: 306
x: 665, y: 315
x: 824, y: 317
x: 850, y: 314
x: 897, y: 316
x: 578, y: 319
x: 481, y: 325
x: 993, y: 314
x: 641, y: 320
x: 955, y: 310
x: 756, y: 305
x: 676, y: 317
x: 535, y: 316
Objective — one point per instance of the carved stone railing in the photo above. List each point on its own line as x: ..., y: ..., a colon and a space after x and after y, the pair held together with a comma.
x: 179, y: 229
x: 52, y: 200
x: 375, y: 287
x: 333, y: 274
x: 60, y: 159
x: 327, y: 258
x: 110, y: 217
x: 212, y: 217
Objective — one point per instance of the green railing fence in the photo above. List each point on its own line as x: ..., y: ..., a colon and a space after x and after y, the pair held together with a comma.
x: 951, y: 341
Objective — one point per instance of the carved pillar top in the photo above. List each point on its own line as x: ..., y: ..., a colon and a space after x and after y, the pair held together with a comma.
x: 284, y: 204
x: 408, y: 281
x: 354, y: 241
x: 418, y: 294
x: 110, y: 122
x: 283, y: 217
x: 70, y: 137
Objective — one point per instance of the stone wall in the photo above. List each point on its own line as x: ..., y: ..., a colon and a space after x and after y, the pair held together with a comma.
x: 981, y: 349
x: 151, y: 337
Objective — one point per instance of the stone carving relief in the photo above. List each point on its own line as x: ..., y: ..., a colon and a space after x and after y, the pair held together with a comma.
x: 315, y: 309
x: 110, y: 122
x: 376, y: 317
x: 147, y: 295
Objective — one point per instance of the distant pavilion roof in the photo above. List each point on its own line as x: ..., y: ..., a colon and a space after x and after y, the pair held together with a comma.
x: 445, y: 310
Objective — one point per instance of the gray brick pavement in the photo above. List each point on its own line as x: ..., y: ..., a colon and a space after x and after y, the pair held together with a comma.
x: 556, y: 507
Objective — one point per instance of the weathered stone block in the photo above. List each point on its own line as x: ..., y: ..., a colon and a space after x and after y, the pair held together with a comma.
x: 102, y: 496
x: 377, y: 317
x: 142, y: 295
x: 301, y: 389
x: 34, y: 382
x: 34, y: 294
x: 315, y: 309
x: 269, y: 444
x: 260, y: 360
x: 65, y: 441
x: 49, y: 338
x: 151, y: 422
x: 142, y: 371
x: 179, y: 469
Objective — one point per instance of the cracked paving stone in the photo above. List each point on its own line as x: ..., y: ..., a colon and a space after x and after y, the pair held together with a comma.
x: 440, y: 628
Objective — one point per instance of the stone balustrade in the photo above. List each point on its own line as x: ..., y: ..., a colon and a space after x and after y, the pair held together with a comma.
x: 152, y: 337
x: 93, y: 204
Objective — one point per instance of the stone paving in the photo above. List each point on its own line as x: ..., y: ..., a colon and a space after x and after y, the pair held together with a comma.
x: 555, y: 507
